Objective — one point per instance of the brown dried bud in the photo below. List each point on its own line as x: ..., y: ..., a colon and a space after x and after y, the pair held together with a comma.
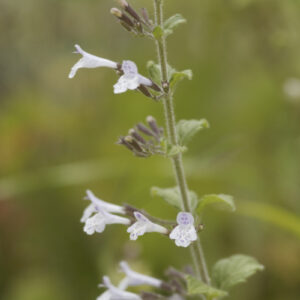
x: 126, y: 26
x: 137, y: 136
x: 130, y: 10
x: 155, y: 87
x: 152, y: 123
x: 123, y: 3
x: 145, y: 91
x: 116, y: 12
x: 132, y: 142
x: 121, y: 16
x: 142, y: 128
x: 123, y: 142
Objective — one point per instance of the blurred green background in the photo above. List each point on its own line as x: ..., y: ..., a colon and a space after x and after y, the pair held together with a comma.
x: 58, y: 139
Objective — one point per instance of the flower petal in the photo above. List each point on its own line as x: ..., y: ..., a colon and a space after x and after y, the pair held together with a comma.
x: 88, y: 212
x: 124, y: 83
x: 129, y: 68
x: 90, y: 61
x: 98, y: 203
x: 144, y: 81
x: 95, y: 224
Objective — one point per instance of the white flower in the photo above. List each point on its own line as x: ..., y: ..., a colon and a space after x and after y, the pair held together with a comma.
x: 116, y: 293
x: 107, y: 294
x: 90, y: 61
x: 143, y: 225
x: 98, y: 203
x: 97, y: 222
x: 184, y: 233
x: 131, y: 79
x: 135, y: 279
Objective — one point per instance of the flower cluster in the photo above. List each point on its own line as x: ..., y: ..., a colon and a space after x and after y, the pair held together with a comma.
x: 140, y: 146
x: 99, y: 213
x: 139, y: 25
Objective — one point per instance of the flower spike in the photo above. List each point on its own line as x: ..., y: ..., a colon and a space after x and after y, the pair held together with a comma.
x: 143, y: 225
x: 98, y: 222
x: 184, y: 233
x: 90, y: 61
x: 136, y: 279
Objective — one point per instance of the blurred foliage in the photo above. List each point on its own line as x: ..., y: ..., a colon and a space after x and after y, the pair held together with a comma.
x: 58, y: 139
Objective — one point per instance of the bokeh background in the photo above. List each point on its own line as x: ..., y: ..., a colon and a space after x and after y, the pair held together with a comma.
x: 58, y: 139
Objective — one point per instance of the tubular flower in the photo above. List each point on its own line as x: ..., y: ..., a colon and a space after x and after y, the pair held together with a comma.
x: 131, y: 79
x: 98, y: 222
x: 97, y: 203
x: 90, y: 61
x: 116, y: 293
x: 143, y: 225
x: 184, y: 233
x: 135, y: 279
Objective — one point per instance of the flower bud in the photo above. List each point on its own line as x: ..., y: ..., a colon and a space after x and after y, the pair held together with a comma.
x: 145, y: 91
x: 152, y: 123
x: 137, y: 136
x: 155, y: 87
x: 141, y: 127
x: 123, y: 3
x: 123, y: 142
x: 121, y: 16
x: 131, y: 141
x: 116, y: 12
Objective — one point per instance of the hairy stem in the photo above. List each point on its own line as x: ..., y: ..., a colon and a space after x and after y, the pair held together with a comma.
x: 196, y: 248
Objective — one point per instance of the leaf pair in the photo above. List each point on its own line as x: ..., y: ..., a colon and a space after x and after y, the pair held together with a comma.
x: 173, y: 197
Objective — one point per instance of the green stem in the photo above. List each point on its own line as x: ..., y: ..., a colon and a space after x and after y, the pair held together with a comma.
x: 196, y: 248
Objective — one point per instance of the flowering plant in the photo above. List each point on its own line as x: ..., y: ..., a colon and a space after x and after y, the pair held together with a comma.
x: 144, y: 141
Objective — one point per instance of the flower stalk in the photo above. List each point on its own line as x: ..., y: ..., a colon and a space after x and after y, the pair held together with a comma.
x: 196, y: 248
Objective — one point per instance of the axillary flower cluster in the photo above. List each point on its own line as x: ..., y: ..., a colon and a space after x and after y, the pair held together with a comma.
x: 99, y: 213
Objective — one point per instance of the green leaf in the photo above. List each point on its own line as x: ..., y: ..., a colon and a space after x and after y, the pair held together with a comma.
x: 158, y: 32
x: 177, y: 76
x: 173, y: 196
x: 195, y: 287
x: 223, y: 201
x: 230, y: 271
x: 186, y: 129
x: 173, y: 22
x: 154, y: 71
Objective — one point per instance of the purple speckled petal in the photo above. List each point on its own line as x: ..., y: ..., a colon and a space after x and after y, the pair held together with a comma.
x: 184, y: 218
x: 140, y: 217
x: 129, y: 68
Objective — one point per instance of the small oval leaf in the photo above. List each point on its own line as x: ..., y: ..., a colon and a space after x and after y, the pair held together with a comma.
x: 186, y: 129
x: 233, y: 270
x: 222, y: 200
